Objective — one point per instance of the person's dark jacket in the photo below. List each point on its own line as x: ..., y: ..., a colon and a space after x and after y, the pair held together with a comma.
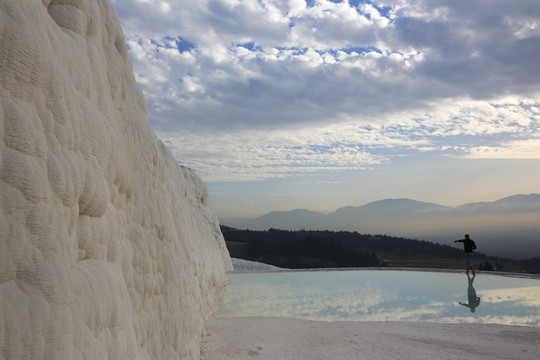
x: 468, y: 245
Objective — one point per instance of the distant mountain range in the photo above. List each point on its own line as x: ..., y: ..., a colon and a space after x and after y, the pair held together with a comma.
x: 509, y: 227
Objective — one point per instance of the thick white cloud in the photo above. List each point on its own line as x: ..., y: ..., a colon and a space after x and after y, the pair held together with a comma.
x: 254, y: 89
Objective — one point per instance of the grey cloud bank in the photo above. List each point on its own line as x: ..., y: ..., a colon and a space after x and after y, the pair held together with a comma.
x: 226, y: 67
x: 266, y: 60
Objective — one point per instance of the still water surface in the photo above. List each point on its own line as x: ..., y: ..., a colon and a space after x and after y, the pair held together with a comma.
x: 384, y: 295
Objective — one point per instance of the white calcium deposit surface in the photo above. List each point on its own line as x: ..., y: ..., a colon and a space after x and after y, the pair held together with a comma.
x: 108, y: 248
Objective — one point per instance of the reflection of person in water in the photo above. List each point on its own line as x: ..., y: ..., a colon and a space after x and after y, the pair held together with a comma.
x: 474, y: 300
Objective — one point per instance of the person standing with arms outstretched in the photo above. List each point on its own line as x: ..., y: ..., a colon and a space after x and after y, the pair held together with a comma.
x: 468, y: 247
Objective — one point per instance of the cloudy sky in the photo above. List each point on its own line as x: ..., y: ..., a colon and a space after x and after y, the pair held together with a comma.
x: 284, y: 104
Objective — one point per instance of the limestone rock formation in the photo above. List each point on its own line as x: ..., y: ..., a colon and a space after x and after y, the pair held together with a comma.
x: 108, y: 248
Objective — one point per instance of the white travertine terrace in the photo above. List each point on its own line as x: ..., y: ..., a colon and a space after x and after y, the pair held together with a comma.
x: 108, y: 248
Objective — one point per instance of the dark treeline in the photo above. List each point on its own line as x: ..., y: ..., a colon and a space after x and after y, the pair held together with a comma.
x: 531, y: 265
x: 311, y: 248
x: 298, y: 249
x: 316, y: 248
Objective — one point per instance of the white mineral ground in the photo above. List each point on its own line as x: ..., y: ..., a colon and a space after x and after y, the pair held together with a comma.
x: 291, y: 339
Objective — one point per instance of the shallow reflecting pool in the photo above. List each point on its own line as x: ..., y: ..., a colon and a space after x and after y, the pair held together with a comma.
x: 384, y: 295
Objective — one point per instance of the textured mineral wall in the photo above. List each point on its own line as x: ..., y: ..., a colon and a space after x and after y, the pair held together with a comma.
x: 108, y: 248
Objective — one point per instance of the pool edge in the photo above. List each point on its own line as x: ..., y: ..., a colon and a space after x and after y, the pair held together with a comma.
x: 497, y: 273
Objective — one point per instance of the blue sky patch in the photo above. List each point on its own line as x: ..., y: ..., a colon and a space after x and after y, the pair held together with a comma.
x: 181, y: 43
x: 384, y: 10
x: 350, y: 50
x: 250, y: 46
x: 178, y: 43
x: 295, y: 50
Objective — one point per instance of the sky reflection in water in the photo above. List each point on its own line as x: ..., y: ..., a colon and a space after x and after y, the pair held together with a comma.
x: 376, y: 295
